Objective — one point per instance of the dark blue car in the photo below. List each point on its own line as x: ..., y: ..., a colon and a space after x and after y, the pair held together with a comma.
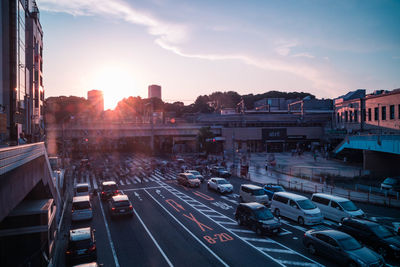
x: 270, y: 189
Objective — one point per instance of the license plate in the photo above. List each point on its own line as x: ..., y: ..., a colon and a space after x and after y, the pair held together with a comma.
x: 81, y: 251
x: 275, y: 230
x: 121, y: 210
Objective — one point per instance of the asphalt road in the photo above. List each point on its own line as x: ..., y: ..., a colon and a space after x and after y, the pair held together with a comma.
x: 178, y: 226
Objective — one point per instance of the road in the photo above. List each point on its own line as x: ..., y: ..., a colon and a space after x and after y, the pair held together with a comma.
x: 178, y: 226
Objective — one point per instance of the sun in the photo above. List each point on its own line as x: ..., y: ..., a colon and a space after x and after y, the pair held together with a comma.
x: 116, y: 83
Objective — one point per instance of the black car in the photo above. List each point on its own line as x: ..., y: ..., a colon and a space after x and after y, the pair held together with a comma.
x: 391, y: 183
x: 81, y: 246
x: 218, y: 171
x: 258, y: 218
x: 108, y: 189
x: 374, y: 235
x: 120, y: 205
x: 340, y: 247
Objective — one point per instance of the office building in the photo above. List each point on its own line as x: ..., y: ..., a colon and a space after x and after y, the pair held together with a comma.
x: 96, y: 100
x: 154, y: 91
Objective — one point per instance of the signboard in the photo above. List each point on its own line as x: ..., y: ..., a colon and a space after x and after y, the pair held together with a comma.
x: 3, y: 123
x: 274, y: 134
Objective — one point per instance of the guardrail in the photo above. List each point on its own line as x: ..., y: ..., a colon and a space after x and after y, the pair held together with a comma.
x: 16, y: 156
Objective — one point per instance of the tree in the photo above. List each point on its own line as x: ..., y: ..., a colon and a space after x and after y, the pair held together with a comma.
x: 202, y: 136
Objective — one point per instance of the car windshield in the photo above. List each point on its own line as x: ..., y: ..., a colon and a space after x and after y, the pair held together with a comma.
x: 81, y: 205
x: 222, y: 182
x: 111, y: 187
x: 82, y: 189
x: 123, y: 203
x: 263, y: 214
x: 349, y: 243
x: 348, y: 205
x: 81, y: 244
x: 191, y: 177
x: 381, y: 231
x: 221, y: 169
x: 195, y: 172
x: 306, y: 204
x: 258, y: 192
x: 277, y: 189
x: 391, y: 181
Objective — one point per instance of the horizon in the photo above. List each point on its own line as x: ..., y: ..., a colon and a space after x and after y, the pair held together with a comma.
x: 190, y: 49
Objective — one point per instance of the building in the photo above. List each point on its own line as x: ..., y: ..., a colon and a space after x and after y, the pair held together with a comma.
x: 154, y: 91
x: 311, y: 105
x: 273, y: 104
x: 348, y: 111
x: 21, y: 34
x: 96, y: 100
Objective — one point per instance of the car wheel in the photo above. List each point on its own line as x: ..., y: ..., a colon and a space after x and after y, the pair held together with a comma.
x: 382, y: 251
x: 219, y: 191
x: 258, y: 231
x: 311, y: 249
x: 277, y: 212
x: 300, y: 220
x: 240, y: 199
x: 208, y: 187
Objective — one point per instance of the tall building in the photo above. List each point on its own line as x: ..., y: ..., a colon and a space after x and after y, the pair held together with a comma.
x: 154, y: 91
x: 96, y: 100
x: 20, y: 33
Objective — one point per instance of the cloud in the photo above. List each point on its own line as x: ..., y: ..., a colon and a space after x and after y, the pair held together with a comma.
x: 285, y: 47
x: 165, y: 31
x: 307, y: 55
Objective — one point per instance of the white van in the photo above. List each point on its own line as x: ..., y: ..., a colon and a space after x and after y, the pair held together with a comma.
x: 296, y: 207
x: 81, y: 208
x: 82, y: 189
x: 336, y: 208
x: 253, y: 193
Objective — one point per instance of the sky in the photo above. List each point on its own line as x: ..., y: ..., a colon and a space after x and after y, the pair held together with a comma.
x: 193, y: 48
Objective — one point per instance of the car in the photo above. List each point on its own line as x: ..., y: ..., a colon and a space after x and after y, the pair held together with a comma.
x: 389, y: 222
x: 258, y: 217
x: 270, y: 189
x: 220, y: 184
x: 188, y: 179
x: 90, y: 264
x: 81, y: 208
x: 120, y: 205
x: 336, y: 208
x: 81, y: 246
x: 108, y: 189
x: 391, y: 183
x: 374, y: 235
x: 81, y: 189
x: 296, y: 207
x: 340, y: 247
x: 253, y: 193
x: 220, y: 172
x: 196, y: 174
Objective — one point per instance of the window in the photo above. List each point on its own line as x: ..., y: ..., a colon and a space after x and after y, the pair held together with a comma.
x: 293, y: 204
x: 335, y: 205
x: 392, y: 112
x: 364, y: 115
x: 346, y: 116
x: 338, y: 118
x: 383, y: 113
x: 320, y: 200
x: 351, y: 116
x: 398, y: 110
x: 333, y: 242
x: 322, y: 237
x: 370, y: 114
x: 376, y: 114
x: 355, y: 116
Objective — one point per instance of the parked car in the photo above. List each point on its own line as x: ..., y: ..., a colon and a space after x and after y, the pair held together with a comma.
x: 81, y: 208
x: 220, y: 184
x: 336, y: 208
x: 270, y: 189
x: 220, y: 172
x: 258, y: 217
x: 108, y: 189
x: 196, y: 174
x: 253, y: 193
x: 340, y: 247
x: 81, y: 189
x: 392, y: 224
x: 120, y: 205
x: 374, y: 235
x: 188, y: 179
x: 81, y: 246
x: 296, y: 207
x: 391, y: 183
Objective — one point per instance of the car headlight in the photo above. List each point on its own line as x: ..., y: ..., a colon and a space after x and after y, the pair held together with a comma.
x: 361, y: 262
x: 394, y: 247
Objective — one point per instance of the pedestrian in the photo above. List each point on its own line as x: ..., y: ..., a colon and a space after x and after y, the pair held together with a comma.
x: 22, y: 140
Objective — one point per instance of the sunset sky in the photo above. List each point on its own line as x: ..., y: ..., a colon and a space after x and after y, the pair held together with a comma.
x: 190, y: 48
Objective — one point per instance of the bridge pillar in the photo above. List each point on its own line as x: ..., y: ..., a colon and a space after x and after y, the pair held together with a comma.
x: 380, y: 163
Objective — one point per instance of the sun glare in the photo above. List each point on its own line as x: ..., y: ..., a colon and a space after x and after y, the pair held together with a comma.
x: 116, y: 84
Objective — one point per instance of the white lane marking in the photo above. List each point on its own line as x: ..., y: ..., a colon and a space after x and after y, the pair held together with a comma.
x: 74, y: 181
x: 258, y: 239
x: 286, y: 232
x: 137, y: 179
x: 141, y: 188
x: 87, y: 179
x: 277, y: 250
x: 146, y: 180
x: 297, y: 263
x: 184, y: 227
x: 230, y: 200
x: 216, y: 216
x: 128, y: 181
x: 151, y: 179
x: 229, y: 223
x: 95, y: 184
x: 108, y: 234
x: 240, y: 230
x: 137, y: 195
x: 152, y: 238
x: 168, y: 187
x: 121, y: 182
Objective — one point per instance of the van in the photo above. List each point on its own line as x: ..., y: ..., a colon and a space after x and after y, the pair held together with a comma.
x: 81, y: 189
x: 336, y: 208
x: 296, y: 207
x: 188, y: 179
x: 253, y: 193
x: 81, y: 208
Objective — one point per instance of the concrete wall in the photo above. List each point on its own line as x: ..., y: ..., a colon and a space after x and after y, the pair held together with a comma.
x: 381, y: 164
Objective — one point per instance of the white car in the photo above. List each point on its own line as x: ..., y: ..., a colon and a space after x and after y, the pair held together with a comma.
x: 220, y: 184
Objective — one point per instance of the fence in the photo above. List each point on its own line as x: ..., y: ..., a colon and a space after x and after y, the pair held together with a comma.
x: 367, y: 197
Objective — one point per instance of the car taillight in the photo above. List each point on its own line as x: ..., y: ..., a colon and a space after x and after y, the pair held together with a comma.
x: 67, y: 252
x: 72, y: 210
x: 92, y: 248
x: 305, y: 234
x: 130, y: 207
x: 103, y: 192
x: 112, y: 208
x: 116, y: 192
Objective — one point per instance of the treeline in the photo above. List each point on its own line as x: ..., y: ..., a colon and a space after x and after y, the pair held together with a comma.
x: 62, y: 108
